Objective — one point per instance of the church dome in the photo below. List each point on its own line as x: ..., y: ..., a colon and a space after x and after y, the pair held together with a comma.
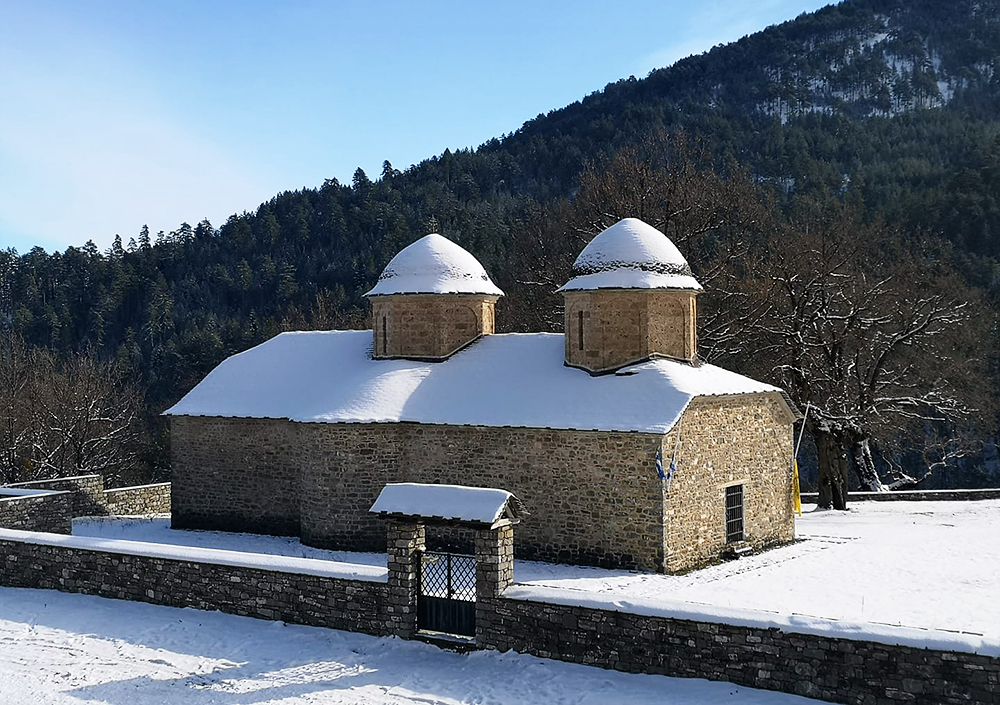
x: 631, y: 254
x: 434, y: 265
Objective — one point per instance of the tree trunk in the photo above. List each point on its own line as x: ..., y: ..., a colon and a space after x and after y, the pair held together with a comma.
x: 833, y: 468
x: 864, y: 467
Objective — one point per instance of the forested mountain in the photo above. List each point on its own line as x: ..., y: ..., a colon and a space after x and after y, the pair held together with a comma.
x: 891, y: 105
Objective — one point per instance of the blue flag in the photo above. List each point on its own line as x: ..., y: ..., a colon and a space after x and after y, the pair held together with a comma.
x: 672, y: 470
x: 659, y: 466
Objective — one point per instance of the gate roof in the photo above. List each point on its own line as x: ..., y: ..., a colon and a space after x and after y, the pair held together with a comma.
x: 481, y: 507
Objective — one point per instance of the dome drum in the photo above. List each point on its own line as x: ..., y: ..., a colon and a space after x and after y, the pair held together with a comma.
x: 431, y: 300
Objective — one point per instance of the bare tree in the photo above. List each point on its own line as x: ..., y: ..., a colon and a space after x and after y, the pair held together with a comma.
x: 77, y: 416
x: 877, y: 334
x: 714, y: 219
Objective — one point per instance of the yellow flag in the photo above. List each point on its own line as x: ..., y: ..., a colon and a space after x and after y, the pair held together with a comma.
x: 796, y: 498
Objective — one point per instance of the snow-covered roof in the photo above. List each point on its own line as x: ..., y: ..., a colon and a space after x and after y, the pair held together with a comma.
x: 502, y: 380
x: 434, y: 265
x: 479, y: 505
x: 631, y: 254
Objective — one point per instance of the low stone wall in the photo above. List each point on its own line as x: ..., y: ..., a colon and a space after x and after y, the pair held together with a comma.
x: 913, y: 496
x: 350, y: 605
x: 143, y: 499
x: 748, y: 652
x: 48, y: 512
x: 87, y: 497
x: 828, y: 668
x: 88, y: 492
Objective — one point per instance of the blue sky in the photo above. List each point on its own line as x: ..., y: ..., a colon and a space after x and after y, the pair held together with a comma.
x: 118, y: 113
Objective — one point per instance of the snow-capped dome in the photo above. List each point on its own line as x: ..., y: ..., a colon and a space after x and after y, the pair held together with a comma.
x: 434, y: 265
x: 631, y: 254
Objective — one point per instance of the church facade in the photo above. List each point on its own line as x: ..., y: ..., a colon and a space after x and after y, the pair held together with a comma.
x: 625, y: 450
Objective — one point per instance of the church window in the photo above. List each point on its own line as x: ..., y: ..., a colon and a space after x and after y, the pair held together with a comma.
x: 734, y: 513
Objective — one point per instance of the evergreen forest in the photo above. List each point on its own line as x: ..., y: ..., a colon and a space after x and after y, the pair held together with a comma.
x: 856, y: 147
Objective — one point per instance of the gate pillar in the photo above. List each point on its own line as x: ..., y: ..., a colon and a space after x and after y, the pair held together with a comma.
x: 405, y: 541
x: 494, y: 572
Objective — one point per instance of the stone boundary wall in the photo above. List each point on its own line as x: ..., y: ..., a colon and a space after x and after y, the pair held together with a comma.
x: 321, y: 601
x: 89, y: 498
x: 913, y: 496
x: 829, y: 668
x: 142, y: 499
x: 819, y: 666
x: 49, y: 512
x: 88, y: 492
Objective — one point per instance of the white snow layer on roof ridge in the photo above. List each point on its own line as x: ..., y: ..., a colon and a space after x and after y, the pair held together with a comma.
x: 434, y: 265
x: 760, y: 619
x: 478, y: 504
x: 514, y: 379
x: 631, y: 254
x: 239, y: 559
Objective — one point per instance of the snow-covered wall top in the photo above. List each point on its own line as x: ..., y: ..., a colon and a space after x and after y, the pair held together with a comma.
x: 760, y: 619
x: 631, y: 254
x: 434, y: 265
x: 501, y: 380
x: 11, y: 492
x: 474, y: 504
x: 238, y: 559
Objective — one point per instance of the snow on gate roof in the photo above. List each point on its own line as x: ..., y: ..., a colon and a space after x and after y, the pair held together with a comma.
x: 473, y: 505
x: 513, y: 379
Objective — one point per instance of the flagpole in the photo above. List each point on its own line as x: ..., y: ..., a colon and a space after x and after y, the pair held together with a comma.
x: 802, y: 431
x: 796, y: 493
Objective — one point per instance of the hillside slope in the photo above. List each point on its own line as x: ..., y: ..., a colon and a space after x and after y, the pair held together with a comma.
x: 893, y: 103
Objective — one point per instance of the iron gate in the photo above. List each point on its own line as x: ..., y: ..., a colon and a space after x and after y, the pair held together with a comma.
x: 447, y: 599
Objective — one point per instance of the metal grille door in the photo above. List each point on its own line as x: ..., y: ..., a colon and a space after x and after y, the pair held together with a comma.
x: 447, y: 599
x: 734, y: 513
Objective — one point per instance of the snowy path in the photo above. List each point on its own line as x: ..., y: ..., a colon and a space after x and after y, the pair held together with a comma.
x: 59, y: 649
x: 934, y: 565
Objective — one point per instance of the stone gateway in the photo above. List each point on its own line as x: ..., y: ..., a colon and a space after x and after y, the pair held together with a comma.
x: 625, y: 449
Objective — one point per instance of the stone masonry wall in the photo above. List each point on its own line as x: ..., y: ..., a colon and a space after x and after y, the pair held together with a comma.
x: 88, y: 492
x: 144, y: 499
x: 624, y: 326
x: 728, y: 440
x: 234, y: 474
x: 49, y: 512
x: 592, y: 497
x: 837, y: 670
x: 351, y: 605
x: 429, y: 325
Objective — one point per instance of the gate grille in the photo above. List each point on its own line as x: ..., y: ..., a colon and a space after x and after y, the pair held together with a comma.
x: 447, y: 599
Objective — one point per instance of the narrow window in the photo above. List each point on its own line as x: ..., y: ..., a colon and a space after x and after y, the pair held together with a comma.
x: 734, y: 513
x: 579, y: 327
x: 383, y: 337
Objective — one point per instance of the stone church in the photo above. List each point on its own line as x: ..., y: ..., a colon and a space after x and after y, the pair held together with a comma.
x: 625, y: 449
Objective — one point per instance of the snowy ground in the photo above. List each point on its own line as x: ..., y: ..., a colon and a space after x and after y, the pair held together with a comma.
x: 61, y: 649
x: 933, y: 565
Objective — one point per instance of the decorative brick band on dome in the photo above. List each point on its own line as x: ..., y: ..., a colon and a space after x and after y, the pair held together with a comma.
x: 584, y: 268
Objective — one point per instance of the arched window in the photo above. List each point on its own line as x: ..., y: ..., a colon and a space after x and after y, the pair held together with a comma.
x: 579, y: 328
x: 384, y: 346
